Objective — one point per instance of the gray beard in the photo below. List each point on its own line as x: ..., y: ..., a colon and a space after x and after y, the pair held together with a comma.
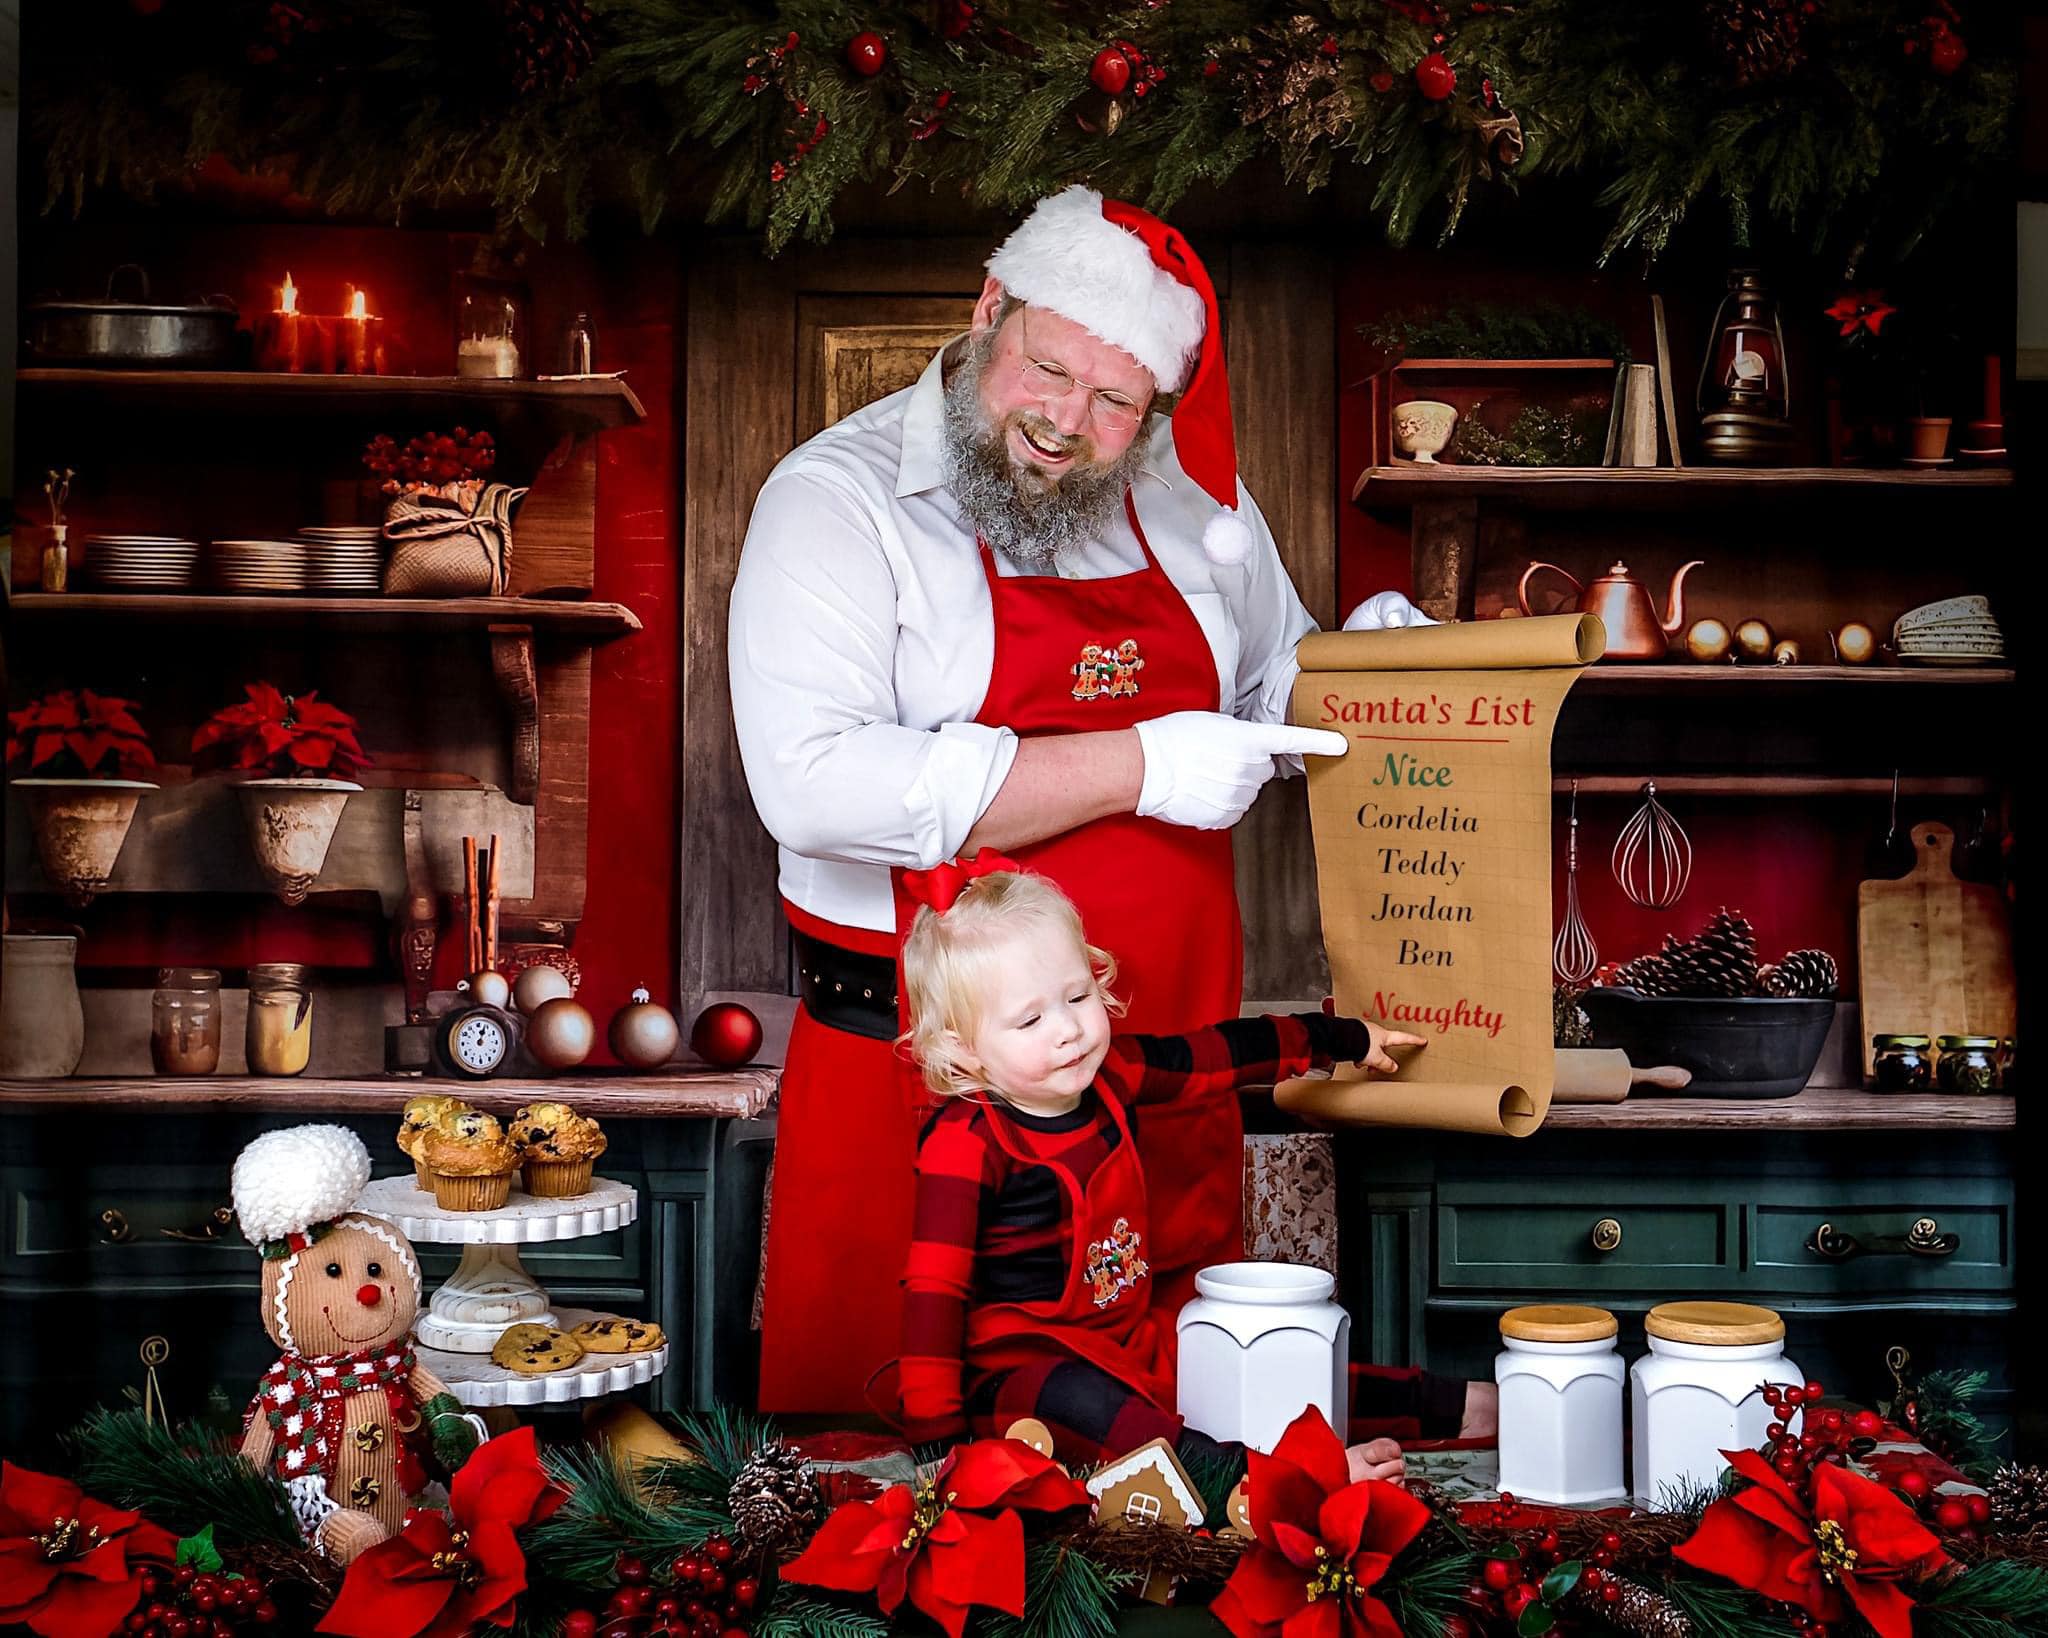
x: 1024, y: 514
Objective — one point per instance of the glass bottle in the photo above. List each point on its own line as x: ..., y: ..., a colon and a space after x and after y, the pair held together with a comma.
x: 184, y: 1021
x: 491, y: 305
x: 280, y: 1026
x: 579, y: 347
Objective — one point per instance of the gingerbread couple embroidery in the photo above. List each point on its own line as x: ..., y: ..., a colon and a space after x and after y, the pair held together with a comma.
x: 1107, y: 673
x: 1114, y: 1265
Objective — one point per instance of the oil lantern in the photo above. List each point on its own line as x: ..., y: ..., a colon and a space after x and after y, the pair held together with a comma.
x: 1744, y: 395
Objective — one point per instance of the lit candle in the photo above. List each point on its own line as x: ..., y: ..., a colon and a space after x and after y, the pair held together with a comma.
x: 281, y: 340
x: 362, y: 345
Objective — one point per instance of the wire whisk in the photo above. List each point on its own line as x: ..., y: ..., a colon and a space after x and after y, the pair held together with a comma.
x: 1574, y: 954
x: 1652, y: 855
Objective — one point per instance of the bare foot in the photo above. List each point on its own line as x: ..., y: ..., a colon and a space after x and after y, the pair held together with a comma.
x: 1482, y: 1411
x: 1380, y: 1459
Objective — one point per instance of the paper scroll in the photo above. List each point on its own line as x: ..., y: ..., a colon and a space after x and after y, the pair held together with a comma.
x: 1433, y: 852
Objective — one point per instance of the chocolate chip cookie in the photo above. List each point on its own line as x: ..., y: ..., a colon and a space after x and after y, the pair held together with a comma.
x: 613, y: 1335
x: 534, y: 1350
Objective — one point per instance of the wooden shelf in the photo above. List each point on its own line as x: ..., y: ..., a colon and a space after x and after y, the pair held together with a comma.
x: 1640, y: 679
x: 603, y: 401
x: 1817, y: 1109
x: 1773, y: 784
x: 1592, y: 488
x: 597, y: 622
x: 662, y: 1094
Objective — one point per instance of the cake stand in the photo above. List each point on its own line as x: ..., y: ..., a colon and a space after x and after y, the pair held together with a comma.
x: 490, y: 1289
x: 478, y: 1380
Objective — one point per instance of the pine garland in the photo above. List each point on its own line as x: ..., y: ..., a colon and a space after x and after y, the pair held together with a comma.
x: 1999, y: 1596
x: 1067, y: 1594
x: 392, y: 105
x: 183, y: 1481
x: 1497, y: 330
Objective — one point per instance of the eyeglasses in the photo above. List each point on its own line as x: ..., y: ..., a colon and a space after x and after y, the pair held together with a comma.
x: 1052, y: 383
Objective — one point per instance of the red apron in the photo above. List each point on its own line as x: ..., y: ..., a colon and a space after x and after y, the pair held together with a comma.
x: 1070, y: 656
x: 1105, y: 1313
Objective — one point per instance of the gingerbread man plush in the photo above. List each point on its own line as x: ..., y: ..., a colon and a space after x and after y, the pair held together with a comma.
x: 347, y: 1415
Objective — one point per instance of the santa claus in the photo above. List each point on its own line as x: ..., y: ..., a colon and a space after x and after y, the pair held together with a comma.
x: 1023, y: 604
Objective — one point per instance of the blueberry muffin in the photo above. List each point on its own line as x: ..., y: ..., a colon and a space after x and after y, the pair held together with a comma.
x: 470, y: 1160
x: 557, y: 1149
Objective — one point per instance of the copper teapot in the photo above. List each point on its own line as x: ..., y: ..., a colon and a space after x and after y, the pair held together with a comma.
x: 1623, y: 603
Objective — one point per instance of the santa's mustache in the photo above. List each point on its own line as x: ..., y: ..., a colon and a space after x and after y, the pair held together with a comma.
x: 1049, y: 439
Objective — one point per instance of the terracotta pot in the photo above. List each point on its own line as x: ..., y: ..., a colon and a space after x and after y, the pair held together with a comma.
x: 291, y: 821
x: 79, y: 826
x: 42, y: 1024
x: 1927, y: 437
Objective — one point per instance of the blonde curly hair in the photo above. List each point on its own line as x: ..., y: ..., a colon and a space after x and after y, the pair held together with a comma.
x: 949, y: 959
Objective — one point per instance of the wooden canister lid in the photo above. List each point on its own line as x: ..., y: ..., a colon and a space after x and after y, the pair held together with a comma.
x: 1715, y: 1324
x: 1558, y: 1322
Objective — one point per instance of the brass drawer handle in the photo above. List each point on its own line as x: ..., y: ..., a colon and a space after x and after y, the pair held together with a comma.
x: 1607, y: 1235
x: 218, y: 1222
x: 1924, y: 1239
x: 119, y: 1231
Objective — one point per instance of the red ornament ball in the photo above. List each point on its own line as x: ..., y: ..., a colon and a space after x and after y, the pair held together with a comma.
x: 1110, y: 73
x: 1915, y: 1484
x: 1946, y: 52
x: 1866, y: 1424
x: 1435, y: 78
x: 580, y: 1624
x: 726, y: 1034
x: 866, y: 53
x: 1952, y: 1514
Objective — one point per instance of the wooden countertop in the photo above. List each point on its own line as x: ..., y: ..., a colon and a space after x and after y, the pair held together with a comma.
x: 1817, y: 1109
x: 685, y: 1093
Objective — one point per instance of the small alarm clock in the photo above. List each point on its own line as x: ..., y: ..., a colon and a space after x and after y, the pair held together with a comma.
x: 473, y: 1043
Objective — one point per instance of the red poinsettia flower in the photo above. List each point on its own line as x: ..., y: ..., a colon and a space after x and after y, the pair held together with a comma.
x: 283, y: 734
x: 70, y: 1567
x: 1860, y: 310
x: 1853, y: 1545
x: 446, y: 1573
x: 1323, y: 1543
x: 937, y: 1542
x: 76, y: 731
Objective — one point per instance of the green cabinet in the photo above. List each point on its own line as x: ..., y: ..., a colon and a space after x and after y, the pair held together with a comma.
x: 1862, y: 1241
x: 111, y: 1236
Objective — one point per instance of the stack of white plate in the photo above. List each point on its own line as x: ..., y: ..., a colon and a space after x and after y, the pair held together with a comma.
x: 344, y: 560
x: 1954, y: 631
x: 138, y: 563
x: 258, y: 567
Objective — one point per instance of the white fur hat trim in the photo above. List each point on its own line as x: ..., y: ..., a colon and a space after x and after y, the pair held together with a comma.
x: 287, y: 1181
x: 1226, y: 539
x: 1068, y: 256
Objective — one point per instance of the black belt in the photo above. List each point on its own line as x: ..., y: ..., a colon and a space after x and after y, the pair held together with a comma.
x: 844, y: 989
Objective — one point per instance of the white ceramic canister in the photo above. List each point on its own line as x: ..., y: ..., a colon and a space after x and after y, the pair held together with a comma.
x: 42, y: 1023
x: 1560, y: 1382
x: 1699, y: 1391
x: 1260, y: 1343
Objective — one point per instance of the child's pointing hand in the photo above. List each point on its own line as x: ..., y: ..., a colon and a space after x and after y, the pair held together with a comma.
x: 1379, y: 1058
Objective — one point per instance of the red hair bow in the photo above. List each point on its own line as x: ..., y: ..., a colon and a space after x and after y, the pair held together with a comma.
x: 942, y: 884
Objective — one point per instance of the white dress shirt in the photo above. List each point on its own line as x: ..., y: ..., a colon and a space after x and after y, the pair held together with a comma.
x: 860, y: 642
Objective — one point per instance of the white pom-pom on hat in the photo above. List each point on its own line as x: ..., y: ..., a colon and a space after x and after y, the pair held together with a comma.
x: 1227, y: 539
x: 285, y: 1182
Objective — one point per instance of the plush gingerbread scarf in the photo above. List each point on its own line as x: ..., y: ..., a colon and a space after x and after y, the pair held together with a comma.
x: 301, y: 1396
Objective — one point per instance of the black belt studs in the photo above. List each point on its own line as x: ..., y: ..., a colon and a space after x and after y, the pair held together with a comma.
x: 844, y: 989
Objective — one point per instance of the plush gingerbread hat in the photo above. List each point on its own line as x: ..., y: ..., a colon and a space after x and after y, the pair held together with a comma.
x: 290, y: 1185
x: 1129, y: 279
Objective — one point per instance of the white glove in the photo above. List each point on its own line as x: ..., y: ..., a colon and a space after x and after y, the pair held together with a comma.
x: 1385, y: 611
x: 1203, y: 769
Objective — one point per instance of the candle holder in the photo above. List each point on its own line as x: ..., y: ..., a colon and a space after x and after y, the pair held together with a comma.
x: 359, y: 338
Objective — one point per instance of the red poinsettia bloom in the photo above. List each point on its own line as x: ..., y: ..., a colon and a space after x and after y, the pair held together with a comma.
x: 284, y: 734
x: 70, y: 1567
x: 937, y: 1542
x: 446, y: 1573
x: 1860, y: 310
x: 1323, y: 1543
x: 76, y: 731
x: 1853, y: 1545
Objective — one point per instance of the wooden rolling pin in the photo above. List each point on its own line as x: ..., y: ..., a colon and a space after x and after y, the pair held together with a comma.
x: 1604, y: 1075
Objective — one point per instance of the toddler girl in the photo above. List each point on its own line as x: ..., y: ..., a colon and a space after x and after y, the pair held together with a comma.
x: 1027, y: 1290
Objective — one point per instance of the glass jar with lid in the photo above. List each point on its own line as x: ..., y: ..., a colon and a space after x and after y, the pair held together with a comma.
x: 184, y: 1021
x: 1902, y: 1063
x: 1968, y: 1063
x: 280, y: 1025
x: 491, y: 303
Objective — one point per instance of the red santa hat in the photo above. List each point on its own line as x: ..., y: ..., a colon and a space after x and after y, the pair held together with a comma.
x: 1129, y: 279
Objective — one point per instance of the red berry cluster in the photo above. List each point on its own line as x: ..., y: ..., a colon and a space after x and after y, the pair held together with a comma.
x: 1940, y: 38
x: 1512, y: 1580
x: 1959, y: 1516
x: 1823, y: 1436
x: 1122, y: 66
x: 703, y: 1597
x: 755, y: 82
x: 432, y: 457
x: 189, y: 1603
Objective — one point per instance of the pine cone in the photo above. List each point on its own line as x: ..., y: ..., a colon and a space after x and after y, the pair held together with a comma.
x: 1802, y: 973
x: 774, y: 1500
x: 1650, y: 974
x: 1638, y: 1611
x: 2019, y: 1499
x: 1758, y: 39
x: 1720, y: 962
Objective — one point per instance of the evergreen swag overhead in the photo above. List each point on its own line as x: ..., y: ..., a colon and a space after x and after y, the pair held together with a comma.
x: 1850, y: 120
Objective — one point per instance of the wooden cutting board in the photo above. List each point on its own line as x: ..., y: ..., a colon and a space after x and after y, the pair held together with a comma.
x: 1934, y: 954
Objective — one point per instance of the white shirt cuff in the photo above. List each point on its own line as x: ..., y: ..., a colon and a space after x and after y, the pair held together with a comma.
x: 965, y: 767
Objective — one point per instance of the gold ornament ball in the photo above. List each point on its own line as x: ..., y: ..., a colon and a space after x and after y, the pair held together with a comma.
x: 1785, y: 653
x: 1706, y: 641
x: 538, y: 985
x: 560, y: 1033
x: 1753, y: 640
x: 489, y: 988
x: 643, y: 1035
x: 1855, y: 643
